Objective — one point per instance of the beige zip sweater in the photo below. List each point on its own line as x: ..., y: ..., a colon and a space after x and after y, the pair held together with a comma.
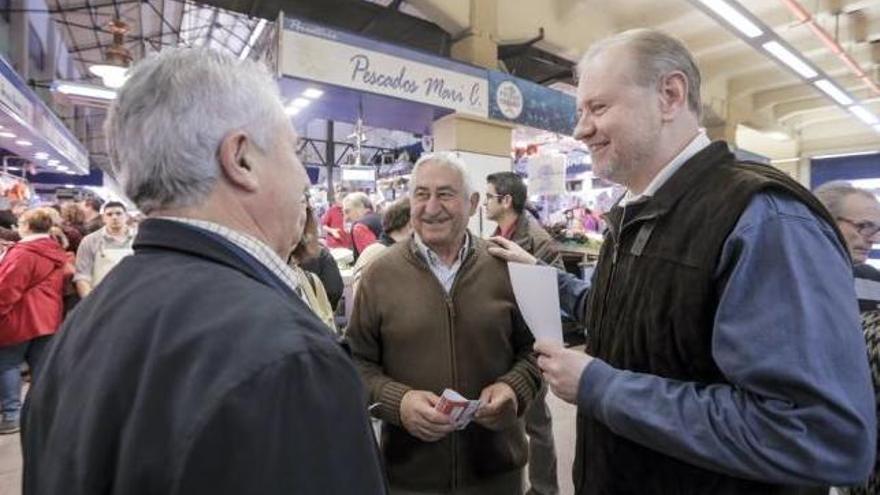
x: 407, y: 333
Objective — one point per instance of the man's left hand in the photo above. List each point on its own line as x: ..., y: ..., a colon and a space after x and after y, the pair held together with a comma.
x: 562, y: 368
x: 499, y: 407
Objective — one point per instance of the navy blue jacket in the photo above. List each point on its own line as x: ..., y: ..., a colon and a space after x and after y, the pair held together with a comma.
x: 192, y: 370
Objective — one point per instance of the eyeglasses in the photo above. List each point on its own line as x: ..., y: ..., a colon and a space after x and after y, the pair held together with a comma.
x: 865, y: 228
x: 496, y: 196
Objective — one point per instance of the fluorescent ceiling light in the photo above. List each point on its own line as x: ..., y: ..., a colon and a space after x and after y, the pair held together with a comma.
x: 313, y: 93
x: 790, y: 59
x: 841, y: 155
x: 24, y: 142
x: 733, y: 17
x: 85, y: 90
x: 833, y: 91
x: 255, y: 35
x: 8, y: 135
x: 113, y: 76
x: 53, y: 162
x: 291, y: 111
x: 300, y: 102
x: 864, y: 115
x: 785, y: 160
x: 41, y: 155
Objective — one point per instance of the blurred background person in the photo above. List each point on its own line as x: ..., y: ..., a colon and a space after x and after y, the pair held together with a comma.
x: 310, y: 285
x: 396, y: 227
x: 103, y: 249
x: 31, y: 284
x: 91, y: 208
x: 333, y: 223
x: 366, y: 224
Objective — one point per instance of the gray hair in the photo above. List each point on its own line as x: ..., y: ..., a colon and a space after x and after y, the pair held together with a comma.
x: 357, y: 198
x: 166, y: 125
x: 656, y: 54
x: 833, y: 194
x: 448, y: 159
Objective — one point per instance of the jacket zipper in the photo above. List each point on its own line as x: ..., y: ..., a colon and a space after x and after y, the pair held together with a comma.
x: 450, y: 315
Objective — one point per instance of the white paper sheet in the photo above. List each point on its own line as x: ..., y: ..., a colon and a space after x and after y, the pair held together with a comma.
x: 537, y: 296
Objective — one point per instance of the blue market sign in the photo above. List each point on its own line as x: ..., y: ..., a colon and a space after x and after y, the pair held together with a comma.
x: 523, y: 102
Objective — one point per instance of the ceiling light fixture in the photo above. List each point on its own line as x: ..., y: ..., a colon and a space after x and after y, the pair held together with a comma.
x: 24, y: 142
x: 84, y: 90
x: 841, y: 155
x: 834, y: 92
x: 733, y: 17
x: 790, y: 59
x: 8, y: 135
x: 313, y: 93
x: 114, y: 72
x: 291, y: 111
x: 41, y: 155
x: 864, y: 115
x: 53, y: 163
x: 255, y: 35
x: 300, y: 102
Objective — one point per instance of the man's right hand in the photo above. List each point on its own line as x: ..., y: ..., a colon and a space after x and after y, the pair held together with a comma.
x: 334, y: 233
x: 510, y: 251
x: 418, y: 416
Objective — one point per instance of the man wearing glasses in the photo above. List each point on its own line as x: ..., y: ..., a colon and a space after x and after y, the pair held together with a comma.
x: 858, y: 216
x: 506, y: 195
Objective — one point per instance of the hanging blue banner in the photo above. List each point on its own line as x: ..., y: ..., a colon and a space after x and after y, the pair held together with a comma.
x: 523, y: 102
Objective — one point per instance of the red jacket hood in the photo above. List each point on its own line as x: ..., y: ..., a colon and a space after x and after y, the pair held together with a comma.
x: 47, y: 248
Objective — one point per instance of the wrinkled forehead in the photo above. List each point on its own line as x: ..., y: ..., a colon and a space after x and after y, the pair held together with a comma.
x: 436, y: 175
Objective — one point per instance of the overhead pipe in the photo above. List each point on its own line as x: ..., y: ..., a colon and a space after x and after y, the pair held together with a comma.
x: 804, y: 16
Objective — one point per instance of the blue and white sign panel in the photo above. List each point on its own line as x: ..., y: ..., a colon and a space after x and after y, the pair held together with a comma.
x: 317, y: 53
x: 530, y: 104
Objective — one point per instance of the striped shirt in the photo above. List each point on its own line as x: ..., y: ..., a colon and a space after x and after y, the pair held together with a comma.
x: 445, y: 274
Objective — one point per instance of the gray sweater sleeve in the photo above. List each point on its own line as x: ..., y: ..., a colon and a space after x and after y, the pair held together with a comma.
x: 799, y: 407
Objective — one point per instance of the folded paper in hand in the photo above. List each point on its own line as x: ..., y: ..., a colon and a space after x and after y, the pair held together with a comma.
x: 460, y: 410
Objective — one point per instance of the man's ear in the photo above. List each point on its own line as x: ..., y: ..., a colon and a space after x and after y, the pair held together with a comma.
x: 673, y: 90
x: 236, y: 159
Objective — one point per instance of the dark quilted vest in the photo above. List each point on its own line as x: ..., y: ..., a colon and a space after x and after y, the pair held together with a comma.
x: 652, y: 309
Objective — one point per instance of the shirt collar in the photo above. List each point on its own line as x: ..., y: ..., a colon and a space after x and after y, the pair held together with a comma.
x: 433, y: 258
x: 129, y: 234
x: 251, y: 245
x: 699, y: 142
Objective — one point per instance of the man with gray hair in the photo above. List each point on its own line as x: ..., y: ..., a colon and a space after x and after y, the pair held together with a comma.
x: 724, y: 352
x: 857, y: 212
x: 196, y: 367
x: 366, y: 225
x: 437, y: 312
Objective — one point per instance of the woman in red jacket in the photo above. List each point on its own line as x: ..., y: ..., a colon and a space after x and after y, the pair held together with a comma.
x: 31, y: 285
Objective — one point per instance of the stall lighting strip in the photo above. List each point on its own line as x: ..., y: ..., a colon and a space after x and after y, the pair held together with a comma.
x: 758, y: 35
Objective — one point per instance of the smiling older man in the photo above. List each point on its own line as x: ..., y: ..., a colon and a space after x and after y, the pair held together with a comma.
x: 437, y: 312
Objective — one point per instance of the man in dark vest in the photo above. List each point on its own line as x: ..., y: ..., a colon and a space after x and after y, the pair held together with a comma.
x: 724, y: 352
x: 366, y: 224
